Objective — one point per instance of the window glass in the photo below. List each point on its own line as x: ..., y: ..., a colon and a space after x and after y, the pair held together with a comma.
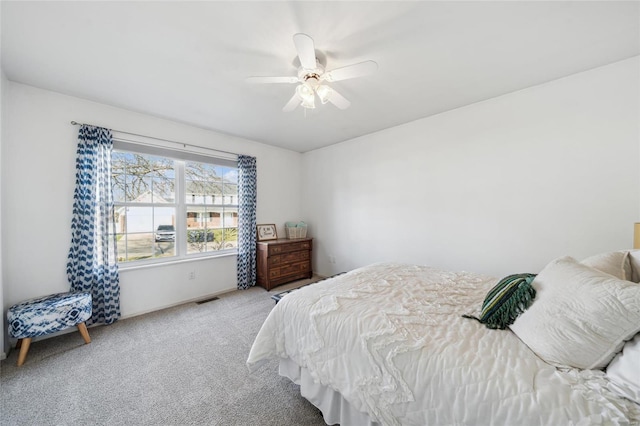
x: 137, y: 238
x: 169, y: 208
x: 210, y: 193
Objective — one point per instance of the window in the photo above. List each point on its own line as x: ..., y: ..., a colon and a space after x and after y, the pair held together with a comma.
x: 212, y: 223
x: 169, y: 206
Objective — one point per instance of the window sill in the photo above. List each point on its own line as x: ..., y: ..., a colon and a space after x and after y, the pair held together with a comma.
x: 124, y: 268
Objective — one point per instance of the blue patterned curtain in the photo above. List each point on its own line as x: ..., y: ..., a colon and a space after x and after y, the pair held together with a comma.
x: 92, y: 263
x: 247, y: 185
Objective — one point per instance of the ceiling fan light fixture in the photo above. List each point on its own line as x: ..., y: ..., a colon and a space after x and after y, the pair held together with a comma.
x: 312, y: 75
x: 307, y: 95
x: 309, y: 103
x: 324, y: 93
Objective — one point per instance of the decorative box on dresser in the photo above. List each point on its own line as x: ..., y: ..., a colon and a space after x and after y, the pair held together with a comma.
x: 281, y: 261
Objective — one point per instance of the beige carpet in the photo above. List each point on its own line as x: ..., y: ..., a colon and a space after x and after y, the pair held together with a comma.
x: 179, y: 366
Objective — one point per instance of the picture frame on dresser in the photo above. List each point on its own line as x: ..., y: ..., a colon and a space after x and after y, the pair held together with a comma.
x: 267, y: 232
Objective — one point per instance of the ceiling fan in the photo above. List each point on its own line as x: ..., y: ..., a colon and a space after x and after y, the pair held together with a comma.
x: 312, y: 77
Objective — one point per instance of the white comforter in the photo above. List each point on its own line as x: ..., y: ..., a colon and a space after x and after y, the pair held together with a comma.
x: 390, y: 339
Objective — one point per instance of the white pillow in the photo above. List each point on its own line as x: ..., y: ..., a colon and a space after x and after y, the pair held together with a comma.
x: 624, y: 371
x: 615, y: 263
x: 634, y: 260
x: 580, y: 316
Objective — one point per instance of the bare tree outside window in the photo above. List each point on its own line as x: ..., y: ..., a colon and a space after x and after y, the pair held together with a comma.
x: 135, y: 175
x: 144, y: 189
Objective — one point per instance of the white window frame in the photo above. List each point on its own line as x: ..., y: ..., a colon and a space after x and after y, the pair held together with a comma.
x: 181, y: 206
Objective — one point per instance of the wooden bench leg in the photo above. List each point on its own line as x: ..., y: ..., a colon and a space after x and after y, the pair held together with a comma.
x: 82, y: 328
x: 23, y: 344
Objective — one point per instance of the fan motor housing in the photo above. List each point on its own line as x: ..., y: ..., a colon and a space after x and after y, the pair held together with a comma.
x: 311, y: 76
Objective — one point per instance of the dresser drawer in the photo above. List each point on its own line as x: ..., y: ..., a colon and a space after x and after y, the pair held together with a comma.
x: 274, y: 273
x: 295, y: 256
x: 275, y: 250
x: 294, y: 268
x: 291, y: 269
x: 289, y: 247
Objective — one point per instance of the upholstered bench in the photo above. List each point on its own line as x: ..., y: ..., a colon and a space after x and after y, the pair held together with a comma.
x: 45, y: 315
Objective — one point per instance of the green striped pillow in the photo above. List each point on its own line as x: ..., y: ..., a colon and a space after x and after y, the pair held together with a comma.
x: 506, y: 301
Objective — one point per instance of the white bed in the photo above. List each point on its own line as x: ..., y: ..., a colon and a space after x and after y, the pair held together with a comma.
x: 386, y: 344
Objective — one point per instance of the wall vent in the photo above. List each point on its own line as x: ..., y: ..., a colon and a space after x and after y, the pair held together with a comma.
x: 200, y: 302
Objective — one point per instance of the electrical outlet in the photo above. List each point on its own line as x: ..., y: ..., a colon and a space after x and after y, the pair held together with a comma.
x: 192, y: 275
x: 332, y: 259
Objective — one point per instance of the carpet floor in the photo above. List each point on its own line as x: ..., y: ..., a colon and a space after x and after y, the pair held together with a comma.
x: 179, y: 366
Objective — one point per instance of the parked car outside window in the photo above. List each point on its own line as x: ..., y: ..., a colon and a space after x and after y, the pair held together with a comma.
x: 166, y: 233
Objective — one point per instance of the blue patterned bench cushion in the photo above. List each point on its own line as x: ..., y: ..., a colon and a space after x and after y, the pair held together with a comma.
x: 48, y: 314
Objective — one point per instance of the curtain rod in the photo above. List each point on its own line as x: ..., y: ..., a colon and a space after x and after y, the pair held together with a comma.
x: 75, y: 123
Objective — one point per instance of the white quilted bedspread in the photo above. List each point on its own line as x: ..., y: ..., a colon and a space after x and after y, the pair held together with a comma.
x: 390, y: 338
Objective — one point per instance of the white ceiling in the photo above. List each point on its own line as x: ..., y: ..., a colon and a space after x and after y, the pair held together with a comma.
x: 187, y: 61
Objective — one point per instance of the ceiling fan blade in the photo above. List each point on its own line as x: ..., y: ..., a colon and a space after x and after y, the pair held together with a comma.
x: 306, y: 50
x: 271, y: 79
x: 293, y: 103
x: 338, y: 100
x: 351, y: 71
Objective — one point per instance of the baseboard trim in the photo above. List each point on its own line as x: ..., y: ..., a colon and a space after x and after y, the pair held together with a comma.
x: 75, y: 329
x: 171, y: 305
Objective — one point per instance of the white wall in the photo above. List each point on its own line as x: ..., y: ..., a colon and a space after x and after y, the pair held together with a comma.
x: 498, y: 187
x: 3, y: 111
x: 38, y: 178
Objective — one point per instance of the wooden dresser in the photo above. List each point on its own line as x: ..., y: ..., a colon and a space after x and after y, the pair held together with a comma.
x: 281, y: 261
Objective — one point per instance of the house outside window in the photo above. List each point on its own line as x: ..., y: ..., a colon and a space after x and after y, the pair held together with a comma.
x: 168, y: 208
x: 211, y: 224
